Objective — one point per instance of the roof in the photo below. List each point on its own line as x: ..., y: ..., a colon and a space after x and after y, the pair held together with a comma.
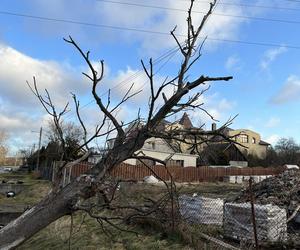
x: 290, y: 166
x: 185, y: 121
x: 214, y: 153
x: 264, y: 143
x: 223, y: 146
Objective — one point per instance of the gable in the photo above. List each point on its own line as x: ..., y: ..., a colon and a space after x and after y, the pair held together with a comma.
x: 158, y: 144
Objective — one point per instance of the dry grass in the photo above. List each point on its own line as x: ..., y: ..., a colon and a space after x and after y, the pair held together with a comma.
x: 89, y: 235
x: 34, y: 190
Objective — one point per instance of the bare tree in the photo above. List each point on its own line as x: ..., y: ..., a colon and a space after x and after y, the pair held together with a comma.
x: 66, y: 200
x: 3, y: 146
x: 73, y: 137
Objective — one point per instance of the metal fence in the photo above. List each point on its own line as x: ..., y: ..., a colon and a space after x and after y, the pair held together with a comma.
x: 240, y: 225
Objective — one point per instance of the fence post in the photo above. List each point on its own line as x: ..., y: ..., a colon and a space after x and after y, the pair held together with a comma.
x: 70, y: 174
x: 253, y: 213
x: 53, y: 170
x: 64, y: 177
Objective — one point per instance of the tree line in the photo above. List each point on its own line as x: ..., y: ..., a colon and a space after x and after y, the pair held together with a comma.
x: 285, y: 151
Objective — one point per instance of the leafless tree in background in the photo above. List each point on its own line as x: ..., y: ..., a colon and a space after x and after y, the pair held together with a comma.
x: 66, y: 200
x: 73, y: 138
x: 3, y: 146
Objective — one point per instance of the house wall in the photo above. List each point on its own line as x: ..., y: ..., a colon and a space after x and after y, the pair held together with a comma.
x: 157, y: 144
x: 188, y: 160
x: 253, y: 146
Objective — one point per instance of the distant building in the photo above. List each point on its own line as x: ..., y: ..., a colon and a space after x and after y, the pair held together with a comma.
x: 250, y: 142
x: 161, y: 149
x: 210, y: 149
x: 222, y: 153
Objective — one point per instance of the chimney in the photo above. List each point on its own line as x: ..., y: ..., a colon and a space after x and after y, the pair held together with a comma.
x: 213, y: 126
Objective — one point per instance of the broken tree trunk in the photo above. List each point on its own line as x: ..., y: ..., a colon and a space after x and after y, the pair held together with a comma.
x: 63, y: 202
x: 33, y: 220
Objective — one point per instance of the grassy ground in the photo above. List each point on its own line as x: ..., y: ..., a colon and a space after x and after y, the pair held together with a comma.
x: 87, y: 233
x: 34, y: 189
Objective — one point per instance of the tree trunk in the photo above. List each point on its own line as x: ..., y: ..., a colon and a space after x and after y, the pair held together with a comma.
x: 53, y: 207
x: 60, y: 203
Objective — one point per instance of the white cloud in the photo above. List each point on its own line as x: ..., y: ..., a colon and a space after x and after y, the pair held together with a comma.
x: 125, y: 78
x: 122, y: 81
x: 136, y: 17
x: 226, y: 105
x: 270, y: 55
x: 20, y: 110
x: 272, y: 122
x: 289, y: 92
x: 233, y: 62
x: 219, y: 108
x: 19, y: 127
x: 272, y: 139
x: 16, y: 68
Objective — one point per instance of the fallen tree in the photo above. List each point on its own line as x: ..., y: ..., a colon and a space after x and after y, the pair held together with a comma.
x: 66, y: 200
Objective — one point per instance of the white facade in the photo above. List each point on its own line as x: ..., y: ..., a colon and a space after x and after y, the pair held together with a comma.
x: 188, y: 160
x: 160, y: 149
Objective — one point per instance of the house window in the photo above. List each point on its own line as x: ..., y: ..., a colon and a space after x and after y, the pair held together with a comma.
x: 244, y: 138
x: 253, y: 140
x: 175, y: 163
x: 146, y: 162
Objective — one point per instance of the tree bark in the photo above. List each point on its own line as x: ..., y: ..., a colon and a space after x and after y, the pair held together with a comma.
x: 58, y: 204
x: 51, y: 208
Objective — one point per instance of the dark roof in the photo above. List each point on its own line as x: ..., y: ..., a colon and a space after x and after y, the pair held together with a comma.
x: 264, y: 143
x: 227, y: 129
x: 162, y: 125
x: 219, y: 146
x: 185, y: 121
x: 221, y: 153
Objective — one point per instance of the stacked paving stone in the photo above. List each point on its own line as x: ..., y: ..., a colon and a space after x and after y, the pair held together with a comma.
x: 271, y: 223
x: 201, y: 210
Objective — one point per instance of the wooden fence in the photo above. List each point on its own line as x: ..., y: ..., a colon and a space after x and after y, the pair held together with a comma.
x: 179, y: 174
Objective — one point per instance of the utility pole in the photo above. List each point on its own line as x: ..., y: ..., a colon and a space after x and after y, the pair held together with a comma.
x: 39, y: 149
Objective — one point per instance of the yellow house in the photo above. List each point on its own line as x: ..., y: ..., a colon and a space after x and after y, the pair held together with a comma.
x: 250, y: 142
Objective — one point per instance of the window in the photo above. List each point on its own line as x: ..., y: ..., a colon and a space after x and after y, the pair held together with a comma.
x: 175, y: 163
x: 253, y: 140
x: 244, y: 138
x: 147, y: 162
x: 153, y: 145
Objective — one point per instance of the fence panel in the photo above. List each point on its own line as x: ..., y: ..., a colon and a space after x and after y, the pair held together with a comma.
x: 179, y: 174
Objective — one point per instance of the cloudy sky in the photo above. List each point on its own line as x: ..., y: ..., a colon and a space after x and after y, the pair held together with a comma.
x: 254, y: 41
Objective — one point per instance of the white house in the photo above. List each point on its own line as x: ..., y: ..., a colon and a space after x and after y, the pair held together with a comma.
x: 161, y: 149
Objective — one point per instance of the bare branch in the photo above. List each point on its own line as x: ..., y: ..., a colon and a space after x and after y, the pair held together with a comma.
x: 95, y: 81
x: 77, y: 105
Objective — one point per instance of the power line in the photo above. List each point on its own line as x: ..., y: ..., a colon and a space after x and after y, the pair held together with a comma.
x: 265, y: 44
x: 202, y: 12
x: 168, y: 54
x: 250, y: 5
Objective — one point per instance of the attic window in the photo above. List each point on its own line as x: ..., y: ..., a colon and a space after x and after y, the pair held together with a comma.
x: 253, y: 140
x: 244, y: 138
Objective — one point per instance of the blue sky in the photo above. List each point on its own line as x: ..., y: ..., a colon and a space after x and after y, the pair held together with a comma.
x: 265, y: 91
